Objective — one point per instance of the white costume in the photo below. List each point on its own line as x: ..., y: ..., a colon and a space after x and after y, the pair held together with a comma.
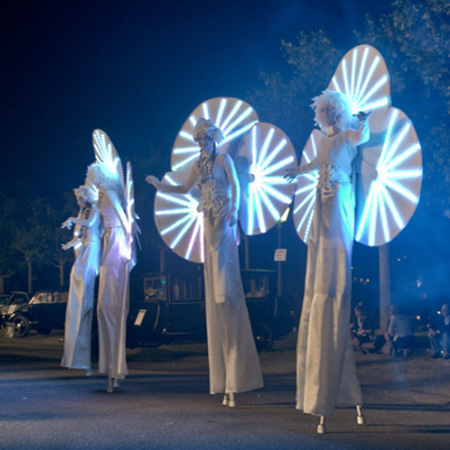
x: 233, y: 361
x: 326, y: 373
x: 114, y: 294
x: 80, y: 304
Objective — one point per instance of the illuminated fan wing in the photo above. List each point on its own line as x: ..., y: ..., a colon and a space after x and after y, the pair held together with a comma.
x: 233, y: 116
x: 264, y: 154
x: 305, y: 191
x: 178, y: 222
x: 363, y: 77
x: 106, y: 153
x: 385, y: 205
x: 134, y: 229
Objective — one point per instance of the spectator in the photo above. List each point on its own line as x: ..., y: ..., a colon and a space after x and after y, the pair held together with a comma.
x: 439, y: 334
x: 400, y: 333
x: 360, y: 329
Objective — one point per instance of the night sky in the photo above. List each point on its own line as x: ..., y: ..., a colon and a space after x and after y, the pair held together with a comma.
x: 135, y: 69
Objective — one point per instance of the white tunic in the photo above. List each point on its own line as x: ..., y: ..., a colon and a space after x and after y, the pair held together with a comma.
x: 233, y: 360
x: 326, y: 373
x: 80, y: 303
x: 114, y: 294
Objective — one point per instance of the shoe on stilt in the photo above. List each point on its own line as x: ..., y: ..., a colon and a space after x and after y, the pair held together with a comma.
x: 225, y: 400
x: 231, y: 400
x: 360, y: 419
x: 321, y: 428
x: 116, y: 383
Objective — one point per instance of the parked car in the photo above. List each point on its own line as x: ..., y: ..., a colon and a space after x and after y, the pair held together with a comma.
x: 173, y: 309
x: 10, y: 303
x: 44, y: 312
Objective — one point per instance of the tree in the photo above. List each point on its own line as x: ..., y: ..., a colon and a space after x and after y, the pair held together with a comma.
x: 33, y: 235
x: 8, y: 223
x: 57, y: 256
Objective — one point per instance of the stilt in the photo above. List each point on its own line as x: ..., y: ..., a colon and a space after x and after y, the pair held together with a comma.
x: 110, y: 389
x: 231, y: 400
x: 225, y: 400
x: 321, y: 428
x: 116, y: 383
x: 360, y: 419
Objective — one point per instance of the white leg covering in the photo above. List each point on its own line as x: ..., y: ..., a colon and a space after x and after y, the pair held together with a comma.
x: 321, y: 428
x: 360, y: 419
x: 110, y: 389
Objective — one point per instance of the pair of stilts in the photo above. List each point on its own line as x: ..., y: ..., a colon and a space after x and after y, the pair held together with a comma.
x: 113, y: 383
x: 360, y: 420
x: 229, y: 400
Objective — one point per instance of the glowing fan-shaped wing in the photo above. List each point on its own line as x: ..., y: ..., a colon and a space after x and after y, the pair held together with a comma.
x: 178, y: 221
x: 363, y: 77
x: 233, y: 116
x: 385, y: 204
x: 134, y: 229
x: 264, y: 154
x: 106, y: 153
x: 305, y: 192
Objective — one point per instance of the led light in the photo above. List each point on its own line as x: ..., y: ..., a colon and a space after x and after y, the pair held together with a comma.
x: 205, y: 110
x: 239, y: 120
x: 185, y: 162
x: 269, y: 154
x: 187, y: 135
x: 238, y: 132
x: 231, y: 115
x: 223, y: 103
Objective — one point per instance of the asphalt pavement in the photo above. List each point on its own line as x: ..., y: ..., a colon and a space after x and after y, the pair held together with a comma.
x: 164, y: 403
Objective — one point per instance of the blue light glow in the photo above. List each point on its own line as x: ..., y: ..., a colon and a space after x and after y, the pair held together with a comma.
x: 223, y: 103
x: 185, y: 162
x: 231, y: 115
x: 239, y: 120
x: 205, y: 110
x: 187, y: 135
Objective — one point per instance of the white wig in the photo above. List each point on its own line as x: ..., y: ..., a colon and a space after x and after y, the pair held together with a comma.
x: 100, y: 176
x: 338, y: 102
x: 209, y: 128
x: 89, y: 194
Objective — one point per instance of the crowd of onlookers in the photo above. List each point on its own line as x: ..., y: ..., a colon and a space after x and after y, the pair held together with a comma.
x: 398, y: 337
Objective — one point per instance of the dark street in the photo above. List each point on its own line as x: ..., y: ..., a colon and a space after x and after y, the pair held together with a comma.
x: 164, y: 403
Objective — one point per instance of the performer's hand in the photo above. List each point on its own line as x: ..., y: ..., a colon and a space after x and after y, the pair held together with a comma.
x: 291, y: 174
x: 65, y: 246
x: 150, y: 179
x: 68, y: 223
x: 232, y: 217
x: 363, y: 116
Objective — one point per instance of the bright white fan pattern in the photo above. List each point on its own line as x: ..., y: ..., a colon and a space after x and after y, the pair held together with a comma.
x: 106, y: 154
x: 264, y: 155
x: 178, y: 221
x: 233, y: 116
x: 389, y: 166
x: 386, y: 204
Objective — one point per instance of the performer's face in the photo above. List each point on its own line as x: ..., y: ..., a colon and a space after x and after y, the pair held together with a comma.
x: 205, y: 142
x: 327, y: 115
x: 81, y: 201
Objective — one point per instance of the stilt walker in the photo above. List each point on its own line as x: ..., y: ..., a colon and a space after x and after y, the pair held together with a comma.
x: 358, y: 179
